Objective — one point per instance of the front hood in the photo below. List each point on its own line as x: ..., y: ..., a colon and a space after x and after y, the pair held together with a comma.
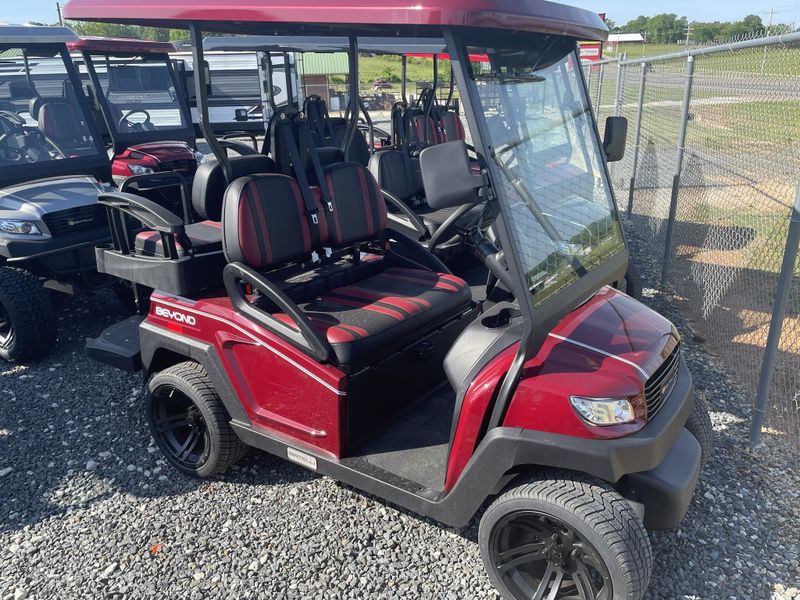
x: 165, y: 151
x: 32, y: 200
x: 613, y: 325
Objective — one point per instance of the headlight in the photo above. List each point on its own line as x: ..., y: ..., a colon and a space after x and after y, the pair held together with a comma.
x: 140, y: 170
x: 603, y: 411
x: 14, y: 226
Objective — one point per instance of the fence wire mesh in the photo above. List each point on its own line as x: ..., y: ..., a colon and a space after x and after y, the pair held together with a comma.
x: 740, y: 169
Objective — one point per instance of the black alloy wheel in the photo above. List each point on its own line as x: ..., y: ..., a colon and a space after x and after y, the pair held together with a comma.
x: 179, y: 428
x: 541, y: 558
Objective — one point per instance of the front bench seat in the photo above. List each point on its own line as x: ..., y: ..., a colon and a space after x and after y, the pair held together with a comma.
x: 208, y: 192
x: 388, y: 308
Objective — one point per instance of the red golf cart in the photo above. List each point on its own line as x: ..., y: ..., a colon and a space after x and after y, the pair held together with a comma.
x: 142, y: 109
x: 314, y: 331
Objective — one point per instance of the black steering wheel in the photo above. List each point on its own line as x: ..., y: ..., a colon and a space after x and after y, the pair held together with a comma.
x: 13, y: 119
x: 454, y: 225
x: 29, y: 145
x: 125, y: 121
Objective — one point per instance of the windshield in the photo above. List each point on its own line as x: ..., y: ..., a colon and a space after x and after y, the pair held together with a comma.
x: 558, y: 201
x: 40, y: 117
x: 139, y: 95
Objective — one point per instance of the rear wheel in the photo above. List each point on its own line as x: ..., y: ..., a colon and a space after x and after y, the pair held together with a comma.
x: 189, y: 422
x: 699, y: 425
x: 565, y: 537
x: 27, y: 324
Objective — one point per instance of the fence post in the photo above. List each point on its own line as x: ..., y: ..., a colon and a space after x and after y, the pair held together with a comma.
x: 776, y: 323
x: 676, y: 178
x: 637, y: 136
x: 600, y: 78
x: 618, y: 91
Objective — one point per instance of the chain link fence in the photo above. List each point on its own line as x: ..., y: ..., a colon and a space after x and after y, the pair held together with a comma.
x: 717, y: 202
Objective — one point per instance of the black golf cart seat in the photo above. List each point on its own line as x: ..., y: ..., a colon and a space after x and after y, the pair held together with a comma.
x: 208, y: 191
x: 365, y: 311
x: 330, y: 131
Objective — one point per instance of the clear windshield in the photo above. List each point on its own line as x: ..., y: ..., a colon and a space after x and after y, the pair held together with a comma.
x: 139, y: 95
x: 40, y: 118
x: 546, y: 152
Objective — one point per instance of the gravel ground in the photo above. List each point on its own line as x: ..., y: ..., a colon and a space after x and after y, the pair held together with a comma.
x: 89, y: 510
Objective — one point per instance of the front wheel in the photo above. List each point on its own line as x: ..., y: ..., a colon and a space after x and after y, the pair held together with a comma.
x: 699, y: 425
x: 27, y: 324
x: 566, y: 536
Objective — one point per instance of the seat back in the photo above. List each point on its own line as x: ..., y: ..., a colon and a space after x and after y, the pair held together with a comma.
x: 59, y: 121
x: 359, y: 209
x: 451, y: 128
x: 208, y: 187
x: 392, y: 174
x: 264, y: 223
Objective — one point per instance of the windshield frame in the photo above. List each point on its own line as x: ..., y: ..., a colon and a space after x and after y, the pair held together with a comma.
x: 121, y: 140
x: 542, y: 318
x: 96, y: 165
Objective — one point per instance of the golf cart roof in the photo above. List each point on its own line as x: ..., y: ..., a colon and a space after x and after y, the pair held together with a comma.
x: 119, y: 46
x: 354, y: 16
x: 272, y: 43
x: 13, y: 36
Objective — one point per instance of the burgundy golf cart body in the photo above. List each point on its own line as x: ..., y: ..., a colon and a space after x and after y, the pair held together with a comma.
x: 165, y: 146
x: 346, y: 346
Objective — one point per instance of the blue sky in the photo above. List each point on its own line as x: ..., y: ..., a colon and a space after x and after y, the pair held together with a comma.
x: 786, y: 11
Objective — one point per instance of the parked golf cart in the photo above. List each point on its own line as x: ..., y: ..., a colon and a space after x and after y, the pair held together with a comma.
x: 139, y: 100
x: 52, y: 166
x: 315, y: 332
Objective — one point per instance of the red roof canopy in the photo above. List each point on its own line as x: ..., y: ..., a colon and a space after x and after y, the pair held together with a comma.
x: 359, y: 16
x: 119, y: 45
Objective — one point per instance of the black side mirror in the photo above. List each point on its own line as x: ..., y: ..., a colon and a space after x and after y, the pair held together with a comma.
x: 447, y: 176
x: 616, y: 138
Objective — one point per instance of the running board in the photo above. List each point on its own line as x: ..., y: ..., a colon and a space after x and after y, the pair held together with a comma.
x: 118, y: 345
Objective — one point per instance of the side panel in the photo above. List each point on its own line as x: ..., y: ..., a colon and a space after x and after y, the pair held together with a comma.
x: 281, y: 390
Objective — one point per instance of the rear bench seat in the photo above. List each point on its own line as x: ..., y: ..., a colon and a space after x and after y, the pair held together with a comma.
x: 383, y: 307
x: 208, y: 191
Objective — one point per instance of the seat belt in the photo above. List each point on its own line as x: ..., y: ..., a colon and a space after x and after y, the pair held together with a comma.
x: 285, y: 122
x: 305, y: 137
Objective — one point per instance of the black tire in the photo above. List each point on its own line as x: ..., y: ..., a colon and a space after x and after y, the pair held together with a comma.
x: 27, y: 322
x: 594, y: 544
x: 699, y: 425
x: 189, y: 422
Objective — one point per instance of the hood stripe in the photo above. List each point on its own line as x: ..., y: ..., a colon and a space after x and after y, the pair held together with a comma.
x: 603, y: 352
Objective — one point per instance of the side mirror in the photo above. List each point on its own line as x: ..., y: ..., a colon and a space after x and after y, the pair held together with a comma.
x: 447, y: 176
x: 615, y: 139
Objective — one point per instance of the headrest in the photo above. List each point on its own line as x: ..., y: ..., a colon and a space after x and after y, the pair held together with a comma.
x: 208, y: 187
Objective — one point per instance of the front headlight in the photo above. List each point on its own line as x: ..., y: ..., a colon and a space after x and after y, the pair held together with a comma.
x: 603, y: 411
x: 140, y: 170
x: 15, y: 226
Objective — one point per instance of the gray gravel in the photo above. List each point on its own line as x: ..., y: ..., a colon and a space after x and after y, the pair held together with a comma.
x: 89, y: 510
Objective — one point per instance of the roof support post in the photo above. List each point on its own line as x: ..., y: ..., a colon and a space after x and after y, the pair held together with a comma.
x: 201, y: 93
x: 352, y: 124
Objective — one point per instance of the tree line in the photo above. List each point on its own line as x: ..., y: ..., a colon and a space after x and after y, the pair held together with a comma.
x: 669, y: 28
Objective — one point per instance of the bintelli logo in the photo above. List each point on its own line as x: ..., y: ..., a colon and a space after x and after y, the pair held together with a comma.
x: 174, y: 315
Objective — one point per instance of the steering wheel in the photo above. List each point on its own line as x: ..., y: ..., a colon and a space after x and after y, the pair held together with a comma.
x: 145, y: 125
x: 13, y: 118
x: 452, y: 227
x: 32, y: 144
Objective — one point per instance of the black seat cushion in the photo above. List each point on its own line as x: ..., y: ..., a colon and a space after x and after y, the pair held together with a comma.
x: 368, y: 320
x: 205, y: 236
x: 209, y: 183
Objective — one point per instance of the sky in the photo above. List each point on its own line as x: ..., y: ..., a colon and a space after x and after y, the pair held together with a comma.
x: 786, y: 11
